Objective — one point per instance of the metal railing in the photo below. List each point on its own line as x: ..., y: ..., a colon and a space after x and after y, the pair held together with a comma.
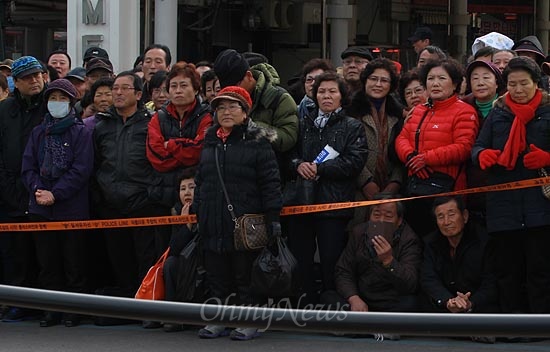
x: 314, y: 320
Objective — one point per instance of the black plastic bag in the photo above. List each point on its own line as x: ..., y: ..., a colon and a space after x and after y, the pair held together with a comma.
x: 190, y: 285
x: 273, y: 272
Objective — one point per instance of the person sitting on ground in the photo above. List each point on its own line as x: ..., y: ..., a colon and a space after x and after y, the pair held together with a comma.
x: 378, y: 271
x: 454, y: 274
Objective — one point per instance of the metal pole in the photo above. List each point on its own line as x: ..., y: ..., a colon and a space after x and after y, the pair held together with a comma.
x: 324, y: 29
x: 312, y: 319
x: 147, y: 24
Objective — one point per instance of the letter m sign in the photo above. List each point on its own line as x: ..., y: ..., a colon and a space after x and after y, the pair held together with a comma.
x: 91, y: 15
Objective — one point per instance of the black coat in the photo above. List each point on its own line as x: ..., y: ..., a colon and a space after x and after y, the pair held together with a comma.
x: 523, y: 208
x: 336, y: 177
x: 126, y: 180
x: 18, y: 117
x: 251, y: 176
x: 441, y: 277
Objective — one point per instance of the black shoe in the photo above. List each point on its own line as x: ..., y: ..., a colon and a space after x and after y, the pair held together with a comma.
x: 148, y: 324
x: 169, y: 327
x: 71, y: 320
x: 14, y: 314
x: 50, y: 319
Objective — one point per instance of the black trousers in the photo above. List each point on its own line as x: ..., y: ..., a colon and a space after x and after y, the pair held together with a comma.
x: 170, y: 272
x: 18, y: 256
x: 522, y: 266
x: 131, y: 251
x: 306, y: 233
x: 228, y: 277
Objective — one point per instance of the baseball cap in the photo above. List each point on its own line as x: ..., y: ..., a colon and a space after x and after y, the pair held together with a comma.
x: 94, y: 51
x: 78, y: 73
x: 25, y: 65
x: 421, y: 33
x: 99, y: 63
x: 360, y: 51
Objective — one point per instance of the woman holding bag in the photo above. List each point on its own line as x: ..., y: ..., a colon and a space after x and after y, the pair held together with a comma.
x: 514, y: 145
x: 436, y: 141
x: 237, y: 156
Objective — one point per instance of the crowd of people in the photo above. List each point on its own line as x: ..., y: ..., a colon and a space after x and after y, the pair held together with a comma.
x: 224, y: 139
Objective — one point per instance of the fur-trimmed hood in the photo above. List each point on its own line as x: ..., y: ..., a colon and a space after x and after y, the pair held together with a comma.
x: 247, y: 131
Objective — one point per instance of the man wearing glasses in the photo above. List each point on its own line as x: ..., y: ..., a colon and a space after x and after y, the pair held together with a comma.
x: 127, y: 184
x: 354, y: 61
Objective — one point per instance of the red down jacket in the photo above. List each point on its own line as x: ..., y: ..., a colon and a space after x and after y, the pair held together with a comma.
x: 447, y: 135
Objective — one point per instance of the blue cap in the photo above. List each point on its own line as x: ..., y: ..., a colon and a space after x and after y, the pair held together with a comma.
x: 25, y: 66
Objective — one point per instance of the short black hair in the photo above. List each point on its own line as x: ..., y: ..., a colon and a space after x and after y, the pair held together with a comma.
x: 168, y: 56
x: 523, y: 63
x: 331, y: 76
x: 209, y: 75
x: 485, y: 51
x: 405, y: 79
x: 138, y: 83
x: 157, y: 80
x: 187, y: 173
x: 451, y: 66
x: 316, y: 64
x: 60, y: 51
x: 432, y: 49
x: 384, y: 64
x: 102, y: 82
x: 459, y: 200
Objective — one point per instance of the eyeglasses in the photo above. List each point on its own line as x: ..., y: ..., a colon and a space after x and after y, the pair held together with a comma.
x: 123, y: 88
x: 231, y: 108
x: 376, y: 79
x: 416, y: 90
x: 348, y: 62
x: 158, y: 91
x: 311, y: 79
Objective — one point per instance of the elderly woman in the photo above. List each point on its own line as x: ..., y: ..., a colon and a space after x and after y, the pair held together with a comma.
x: 326, y: 180
x: 381, y: 117
x: 242, y: 151
x: 310, y: 71
x: 514, y: 145
x: 437, y: 140
x: 411, y: 90
x: 57, y: 165
x: 486, y: 84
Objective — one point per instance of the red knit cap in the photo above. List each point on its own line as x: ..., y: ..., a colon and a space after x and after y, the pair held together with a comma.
x: 233, y: 93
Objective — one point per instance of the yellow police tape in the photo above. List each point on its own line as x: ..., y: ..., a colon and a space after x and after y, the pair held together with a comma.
x: 290, y: 210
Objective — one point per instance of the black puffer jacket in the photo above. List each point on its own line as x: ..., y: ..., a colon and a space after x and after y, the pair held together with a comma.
x: 522, y: 208
x: 251, y: 176
x: 126, y: 179
x: 336, y: 177
x: 18, y: 117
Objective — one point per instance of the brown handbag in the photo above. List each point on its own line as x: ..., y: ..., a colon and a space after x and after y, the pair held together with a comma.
x: 545, y: 188
x: 250, y: 231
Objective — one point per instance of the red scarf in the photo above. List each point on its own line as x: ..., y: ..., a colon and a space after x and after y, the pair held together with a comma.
x: 222, y: 135
x: 516, y: 142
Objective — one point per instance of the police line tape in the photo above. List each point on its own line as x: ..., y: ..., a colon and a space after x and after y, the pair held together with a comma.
x: 289, y: 210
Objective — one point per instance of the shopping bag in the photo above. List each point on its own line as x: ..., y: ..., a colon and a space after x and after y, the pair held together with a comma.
x: 273, y: 271
x: 152, y: 286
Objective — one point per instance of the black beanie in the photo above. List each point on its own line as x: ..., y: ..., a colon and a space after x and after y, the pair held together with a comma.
x: 230, y: 67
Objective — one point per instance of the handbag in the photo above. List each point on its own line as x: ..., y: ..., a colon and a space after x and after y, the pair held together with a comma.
x: 250, y: 231
x: 545, y: 188
x: 438, y: 182
x: 152, y: 286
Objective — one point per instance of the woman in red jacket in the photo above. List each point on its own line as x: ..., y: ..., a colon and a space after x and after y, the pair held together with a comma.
x: 437, y: 140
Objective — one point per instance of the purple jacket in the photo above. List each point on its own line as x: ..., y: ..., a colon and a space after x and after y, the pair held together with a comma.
x: 70, y: 189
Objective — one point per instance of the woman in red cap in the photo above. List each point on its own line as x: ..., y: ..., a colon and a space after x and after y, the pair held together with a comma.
x: 242, y: 152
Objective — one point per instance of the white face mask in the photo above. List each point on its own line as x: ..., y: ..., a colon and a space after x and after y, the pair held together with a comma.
x: 58, y: 109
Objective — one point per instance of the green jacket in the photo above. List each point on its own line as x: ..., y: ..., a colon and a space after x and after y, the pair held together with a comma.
x: 273, y: 107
